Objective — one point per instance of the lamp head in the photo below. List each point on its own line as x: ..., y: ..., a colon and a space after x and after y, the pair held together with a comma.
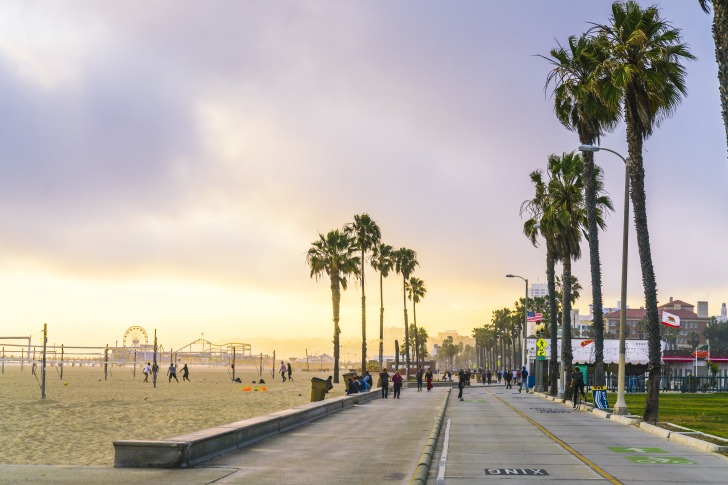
x: 588, y: 148
x: 510, y: 276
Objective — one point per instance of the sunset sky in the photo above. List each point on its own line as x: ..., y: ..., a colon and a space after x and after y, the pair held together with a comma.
x: 168, y: 164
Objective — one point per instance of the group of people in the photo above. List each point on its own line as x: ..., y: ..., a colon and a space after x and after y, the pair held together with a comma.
x: 286, y: 369
x: 427, y: 377
x: 514, y: 376
x: 152, y: 369
x: 359, y: 384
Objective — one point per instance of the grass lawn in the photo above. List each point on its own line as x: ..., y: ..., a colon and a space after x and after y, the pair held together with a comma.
x: 702, y: 412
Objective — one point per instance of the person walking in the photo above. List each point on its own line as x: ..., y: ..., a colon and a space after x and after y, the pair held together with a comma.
x: 397, y: 380
x: 289, y: 371
x: 524, y: 379
x: 172, y: 372
x: 507, y: 376
x: 282, y: 371
x: 461, y: 384
x: 384, y: 379
x: 428, y: 379
x: 147, y: 370
x: 420, y: 373
x: 185, y: 373
x: 489, y: 376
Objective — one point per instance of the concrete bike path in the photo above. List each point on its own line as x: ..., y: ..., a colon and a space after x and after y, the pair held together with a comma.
x: 498, y: 435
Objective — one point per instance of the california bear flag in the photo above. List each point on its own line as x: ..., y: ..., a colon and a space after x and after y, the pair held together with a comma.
x: 670, y: 320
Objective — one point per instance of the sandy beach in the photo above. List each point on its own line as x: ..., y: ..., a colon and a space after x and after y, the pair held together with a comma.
x: 83, y: 413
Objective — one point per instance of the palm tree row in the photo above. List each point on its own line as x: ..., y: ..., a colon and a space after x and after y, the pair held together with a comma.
x: 341, y: 254
x: 629, y: 68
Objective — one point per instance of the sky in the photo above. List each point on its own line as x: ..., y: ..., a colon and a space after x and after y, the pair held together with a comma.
x: 168, y: 164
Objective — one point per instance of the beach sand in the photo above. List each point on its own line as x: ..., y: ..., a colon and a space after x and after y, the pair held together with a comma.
x: 77, y: 422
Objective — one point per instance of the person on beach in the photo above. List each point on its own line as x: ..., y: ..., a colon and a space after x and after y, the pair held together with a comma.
x: 172, y: 372
x: 329, y: 383
x: 461, y: 384
x: 282, y: 371
x: 428, y: 379
x: 420, y: 373
x: 185, y: 373
x: 367, y: 382
x: 147, y: 369
x: 353, y: 387
x: 397, y: 380
x: 155, y: 370
x: 384, y: 378
x: 289, y: 371
x: 508, y: 376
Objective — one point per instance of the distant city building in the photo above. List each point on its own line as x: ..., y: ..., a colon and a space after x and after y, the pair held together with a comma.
x: 723, y: 316
x: 703, y: 309
x: 538, y: 290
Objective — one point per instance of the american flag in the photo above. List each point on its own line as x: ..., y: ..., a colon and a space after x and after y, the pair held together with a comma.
x: 535, y: 317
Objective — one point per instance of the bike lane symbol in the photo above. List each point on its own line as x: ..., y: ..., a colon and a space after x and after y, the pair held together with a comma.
x: 660, y: 460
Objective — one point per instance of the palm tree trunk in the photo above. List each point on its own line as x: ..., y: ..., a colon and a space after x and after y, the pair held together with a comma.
x: 406, y: 328
x: 720, y: 36
x: 417, y: 339
x: 596, y: 270
x: 363, y: 320
x: 336, y: 302
x: 567, y: 355
x: 637, y: 180
x: 381, y: 319
x: 551, y: 282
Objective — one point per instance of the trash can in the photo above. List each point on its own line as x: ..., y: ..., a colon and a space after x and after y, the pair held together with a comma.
x: 319, y: 388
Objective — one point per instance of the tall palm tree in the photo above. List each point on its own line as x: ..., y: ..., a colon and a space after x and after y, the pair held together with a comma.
x: 567, y: 207
x: 383, y: 262
x: 645, y: 74
x: 366, y: 234
x: 579, y: 108
x: 540, y: 224
x: 720, y: 37
x: 405, y: 262
x: 416, y: 291
x: 334, y: 255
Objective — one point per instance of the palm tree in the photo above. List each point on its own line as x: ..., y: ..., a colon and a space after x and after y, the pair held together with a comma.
x: 567, y: 208
x: 416, y: 291
x: 335, y: 255
x: 720, y: 37
x: 579, y: 108
x: 405, y: 262
x: 540, y: 224
x: 382, y: 261
x: 366, y: 234
x: 644, y: 72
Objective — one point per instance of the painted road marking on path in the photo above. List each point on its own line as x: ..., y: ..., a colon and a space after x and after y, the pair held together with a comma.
x: 516, y: 471
x: 443, y: 457
x: 568, y: 448
x: 635, y: 449
x: 660, y: 460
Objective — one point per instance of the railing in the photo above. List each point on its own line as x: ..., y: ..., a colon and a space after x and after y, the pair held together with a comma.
x: 670, y: 383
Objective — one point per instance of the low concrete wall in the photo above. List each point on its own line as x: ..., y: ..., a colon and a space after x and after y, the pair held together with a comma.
x: 194, y: 448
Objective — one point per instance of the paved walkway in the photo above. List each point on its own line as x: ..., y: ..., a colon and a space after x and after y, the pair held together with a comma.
x: 496, y: 433
x: 489, y: 437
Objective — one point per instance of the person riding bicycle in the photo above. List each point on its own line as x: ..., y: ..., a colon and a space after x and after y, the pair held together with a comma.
x: 577, y: 385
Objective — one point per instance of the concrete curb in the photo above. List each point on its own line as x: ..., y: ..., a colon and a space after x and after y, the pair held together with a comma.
x: 422, y: 470
x: 191, y: 449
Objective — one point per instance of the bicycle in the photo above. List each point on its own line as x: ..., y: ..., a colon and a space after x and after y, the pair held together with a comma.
x: 579, y: 396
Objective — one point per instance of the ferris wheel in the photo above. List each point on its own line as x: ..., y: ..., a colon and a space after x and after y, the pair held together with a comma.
x: 135, y: 336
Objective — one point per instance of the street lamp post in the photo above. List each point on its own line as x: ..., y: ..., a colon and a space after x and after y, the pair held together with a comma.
x: 620, y: 407
x: 525, y: 322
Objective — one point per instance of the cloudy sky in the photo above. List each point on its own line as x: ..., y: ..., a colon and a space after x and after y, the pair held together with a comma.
x: 168, y: 164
